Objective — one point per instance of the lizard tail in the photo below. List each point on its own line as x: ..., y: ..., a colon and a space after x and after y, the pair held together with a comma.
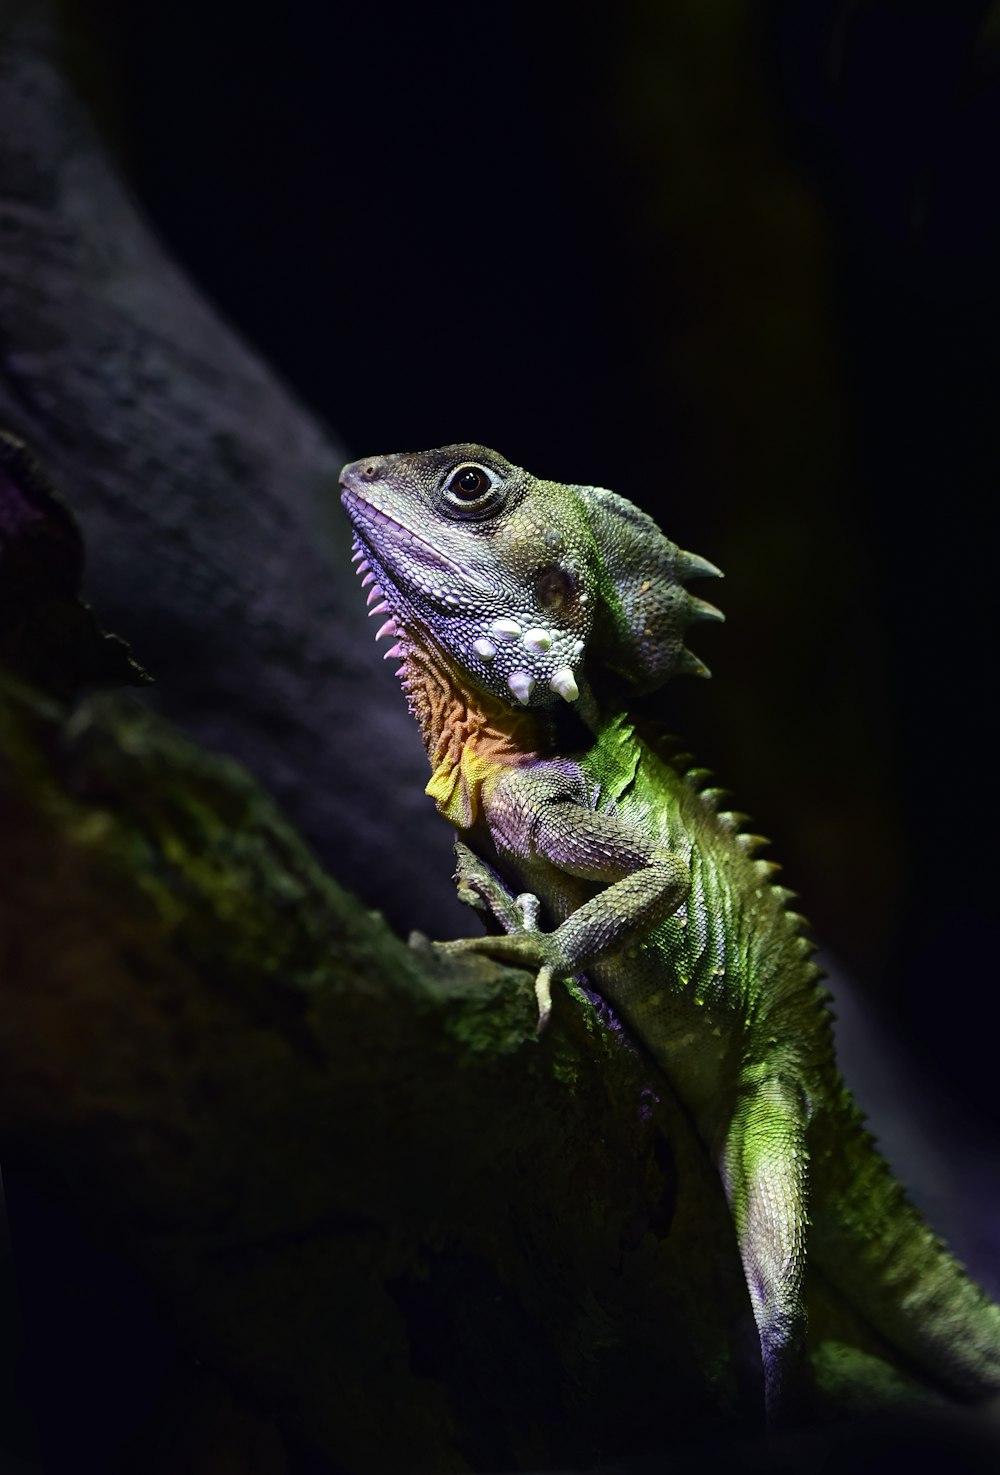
x: 874, y: 1246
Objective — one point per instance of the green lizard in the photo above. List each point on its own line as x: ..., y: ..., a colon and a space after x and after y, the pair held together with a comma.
x: 524, y: 613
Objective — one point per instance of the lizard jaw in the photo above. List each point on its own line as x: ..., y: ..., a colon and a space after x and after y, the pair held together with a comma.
x: 379, y: 605
x: 430, y: 572
x: 521, y: 645
x: 540, y: 658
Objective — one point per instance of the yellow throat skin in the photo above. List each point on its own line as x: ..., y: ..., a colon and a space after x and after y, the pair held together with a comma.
x: 470, y: 736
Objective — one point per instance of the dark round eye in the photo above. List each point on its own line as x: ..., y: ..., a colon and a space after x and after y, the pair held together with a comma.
x: 469, y: 483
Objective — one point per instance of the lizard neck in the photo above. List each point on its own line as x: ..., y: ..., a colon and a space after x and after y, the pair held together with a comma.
x: 470, y: 736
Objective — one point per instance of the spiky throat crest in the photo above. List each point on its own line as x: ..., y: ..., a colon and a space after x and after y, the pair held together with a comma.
x: 470, y: 735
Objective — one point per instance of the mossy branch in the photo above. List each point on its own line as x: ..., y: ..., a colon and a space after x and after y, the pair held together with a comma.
x: 357, y: 1179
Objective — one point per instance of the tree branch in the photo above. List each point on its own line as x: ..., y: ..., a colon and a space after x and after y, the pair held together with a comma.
x: 357, y: 1179
x: 207, y: 494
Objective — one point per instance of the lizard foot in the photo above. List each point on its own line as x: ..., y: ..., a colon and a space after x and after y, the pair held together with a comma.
x: 479, y: 887
x: 527, y: 949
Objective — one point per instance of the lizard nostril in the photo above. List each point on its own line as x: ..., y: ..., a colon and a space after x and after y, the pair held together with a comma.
x: 370, y: 472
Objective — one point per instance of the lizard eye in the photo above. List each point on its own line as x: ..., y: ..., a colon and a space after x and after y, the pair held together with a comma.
x: 469, y: 490
x: 469, y: 482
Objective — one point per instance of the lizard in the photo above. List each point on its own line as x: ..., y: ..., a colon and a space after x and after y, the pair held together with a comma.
x: 526, y: 616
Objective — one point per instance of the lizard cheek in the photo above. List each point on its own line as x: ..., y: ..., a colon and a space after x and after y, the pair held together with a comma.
x: 557, y: 589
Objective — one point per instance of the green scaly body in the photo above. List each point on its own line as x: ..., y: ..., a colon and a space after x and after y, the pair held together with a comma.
x: 507, y: 598
x: 725, y: 992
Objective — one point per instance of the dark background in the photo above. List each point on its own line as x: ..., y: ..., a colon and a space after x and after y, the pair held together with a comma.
x: 736, y: 261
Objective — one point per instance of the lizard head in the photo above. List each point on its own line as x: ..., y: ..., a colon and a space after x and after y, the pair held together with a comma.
x: 521, y: 582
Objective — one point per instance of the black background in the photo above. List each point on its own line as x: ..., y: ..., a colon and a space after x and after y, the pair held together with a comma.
x: 740, y: 263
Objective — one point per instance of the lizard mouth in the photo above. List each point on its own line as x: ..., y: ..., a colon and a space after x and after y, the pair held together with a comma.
x: 377, y: 529
x: 406, y: 559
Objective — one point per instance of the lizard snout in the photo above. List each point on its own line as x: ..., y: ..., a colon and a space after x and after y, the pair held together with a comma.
x: 358, y: 474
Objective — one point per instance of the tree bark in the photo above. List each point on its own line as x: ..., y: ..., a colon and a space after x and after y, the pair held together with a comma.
x: 357, y: 1179
x: 207, y: 494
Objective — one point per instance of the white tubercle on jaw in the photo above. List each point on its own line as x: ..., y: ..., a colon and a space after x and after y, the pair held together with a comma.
x: 537, y: 639
x: 564, y: 683
x: 521, y: 684
x: 505, y: 629
x: 485, y: 649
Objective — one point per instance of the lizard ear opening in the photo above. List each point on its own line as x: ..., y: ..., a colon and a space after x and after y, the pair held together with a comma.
x: 644, y: 609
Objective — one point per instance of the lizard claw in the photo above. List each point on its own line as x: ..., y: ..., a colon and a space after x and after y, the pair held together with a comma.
x: 469, y: 895
x: 543, y: 995
x: 482, y: 889
x: 527, y: 904
x: 521, y: 949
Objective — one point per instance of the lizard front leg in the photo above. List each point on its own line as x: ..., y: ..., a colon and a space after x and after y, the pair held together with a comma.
x: 540, y: 824
x: 480, y: 887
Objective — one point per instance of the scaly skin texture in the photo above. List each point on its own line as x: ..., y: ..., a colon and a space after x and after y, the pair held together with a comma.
x: 524, y: 613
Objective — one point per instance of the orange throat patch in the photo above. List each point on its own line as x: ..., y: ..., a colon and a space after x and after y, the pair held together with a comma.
x: 470, y: 736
